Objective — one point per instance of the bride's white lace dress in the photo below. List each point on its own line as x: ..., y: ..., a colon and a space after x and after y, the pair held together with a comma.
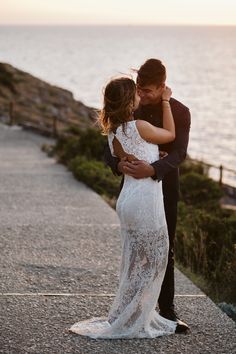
x: 145, y: 246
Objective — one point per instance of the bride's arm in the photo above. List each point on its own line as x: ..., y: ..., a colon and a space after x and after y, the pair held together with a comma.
x: 156, y: 135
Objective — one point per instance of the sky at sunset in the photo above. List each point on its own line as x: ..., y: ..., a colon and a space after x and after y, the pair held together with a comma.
x: 118, y: 12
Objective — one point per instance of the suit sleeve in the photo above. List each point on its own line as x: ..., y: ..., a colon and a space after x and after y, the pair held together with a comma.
x: 179, y: 148
x: 111, y: 161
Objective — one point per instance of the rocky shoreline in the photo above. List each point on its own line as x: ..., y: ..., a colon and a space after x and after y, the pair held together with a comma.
x: 30, y: 102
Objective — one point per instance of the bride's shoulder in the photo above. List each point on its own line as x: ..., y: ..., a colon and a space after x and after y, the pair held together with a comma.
x: 142, y: 125
x: 141, y: 122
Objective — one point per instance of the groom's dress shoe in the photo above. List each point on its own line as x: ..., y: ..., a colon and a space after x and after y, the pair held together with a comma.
x: 171, y: 315
x: 181, y: 327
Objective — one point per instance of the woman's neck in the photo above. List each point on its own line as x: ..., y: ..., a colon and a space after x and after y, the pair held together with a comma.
x: 131, y: 118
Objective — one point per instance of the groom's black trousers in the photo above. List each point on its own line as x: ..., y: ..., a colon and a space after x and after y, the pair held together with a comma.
x: 170, y: 187
x: 166, y: 297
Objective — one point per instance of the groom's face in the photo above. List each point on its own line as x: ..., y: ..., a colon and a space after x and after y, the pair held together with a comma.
x: 150, y: 94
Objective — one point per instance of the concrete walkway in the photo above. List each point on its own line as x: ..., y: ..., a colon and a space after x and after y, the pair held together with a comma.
x: 59, y: 263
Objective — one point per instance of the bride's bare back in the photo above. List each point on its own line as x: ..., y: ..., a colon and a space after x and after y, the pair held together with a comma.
x: 120, y: 153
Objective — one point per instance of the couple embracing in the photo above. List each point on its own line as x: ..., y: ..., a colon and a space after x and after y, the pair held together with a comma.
x: 142, y: 119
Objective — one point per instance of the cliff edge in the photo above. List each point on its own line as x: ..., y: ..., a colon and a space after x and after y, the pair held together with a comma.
x: 29, y: 101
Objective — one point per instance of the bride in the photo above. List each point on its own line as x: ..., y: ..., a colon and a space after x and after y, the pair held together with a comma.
x: 140, y: 209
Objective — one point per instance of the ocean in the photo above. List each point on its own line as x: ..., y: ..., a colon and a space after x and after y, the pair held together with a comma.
x: 200, y: 61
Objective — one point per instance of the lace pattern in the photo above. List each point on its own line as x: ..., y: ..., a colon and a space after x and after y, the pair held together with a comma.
x: 133, y: 143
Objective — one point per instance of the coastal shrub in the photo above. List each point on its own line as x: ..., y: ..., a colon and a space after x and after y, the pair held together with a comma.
x: 95, y: 175
x: 67, y: 148
x: 206, y: 243
x: 200, y: 190
x: 188, y: 166
x: 89, y: 143
x: 92, y: 144
x: 230, y: 309
x: 73, y: 130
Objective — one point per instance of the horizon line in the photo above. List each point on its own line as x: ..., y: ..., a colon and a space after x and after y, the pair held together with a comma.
x: 121, y: 25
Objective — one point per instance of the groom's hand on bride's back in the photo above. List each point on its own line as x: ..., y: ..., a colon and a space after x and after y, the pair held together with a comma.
x: 137, y: 169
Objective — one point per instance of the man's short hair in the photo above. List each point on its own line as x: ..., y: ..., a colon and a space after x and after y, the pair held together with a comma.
x: 152, y: 72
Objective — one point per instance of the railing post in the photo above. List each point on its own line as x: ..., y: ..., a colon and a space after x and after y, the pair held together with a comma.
x: 221, y: 175
x: 11, y: 113
x: 55, y: 126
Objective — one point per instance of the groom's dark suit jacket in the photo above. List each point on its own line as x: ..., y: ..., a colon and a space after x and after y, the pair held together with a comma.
x: 165, y: 169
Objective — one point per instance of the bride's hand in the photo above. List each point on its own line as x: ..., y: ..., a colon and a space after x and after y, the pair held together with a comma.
x: 166, y: 94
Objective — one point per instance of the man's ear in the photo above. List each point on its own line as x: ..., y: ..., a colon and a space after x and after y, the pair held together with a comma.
x: 161, y: 88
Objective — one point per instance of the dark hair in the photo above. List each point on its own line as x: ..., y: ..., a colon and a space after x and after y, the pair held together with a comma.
x: 152, y: 72
x: 119, y: 97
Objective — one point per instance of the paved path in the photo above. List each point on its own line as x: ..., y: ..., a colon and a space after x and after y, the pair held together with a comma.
x: 59, y: 263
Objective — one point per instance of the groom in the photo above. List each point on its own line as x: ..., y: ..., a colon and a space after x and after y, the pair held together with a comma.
x: 151, y: 79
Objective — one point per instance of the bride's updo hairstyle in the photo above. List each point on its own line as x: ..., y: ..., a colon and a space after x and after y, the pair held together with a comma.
x: 118, y: 105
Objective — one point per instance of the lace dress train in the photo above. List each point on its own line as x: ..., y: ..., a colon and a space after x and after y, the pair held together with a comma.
x: 144, y: 258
